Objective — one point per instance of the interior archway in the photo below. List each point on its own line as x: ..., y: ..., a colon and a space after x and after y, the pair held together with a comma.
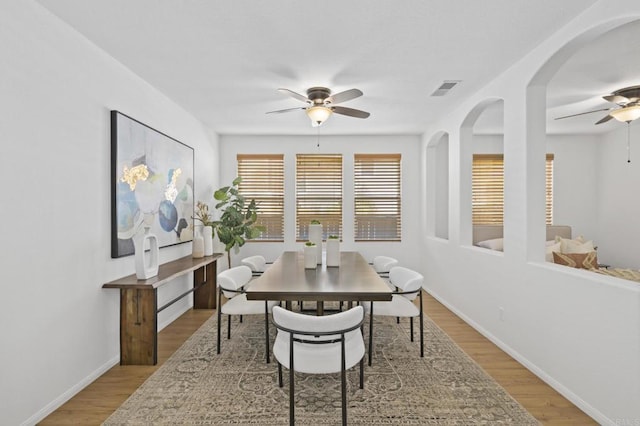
x: 482, y: 143
x: 587, y: 155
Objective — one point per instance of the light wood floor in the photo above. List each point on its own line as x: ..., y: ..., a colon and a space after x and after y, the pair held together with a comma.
x: 97, y: 401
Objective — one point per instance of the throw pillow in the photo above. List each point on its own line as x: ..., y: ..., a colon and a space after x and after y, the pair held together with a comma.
x: 495, y: 244
x: 577, y: 260
x: 579, y: 245
x: 550, y: 250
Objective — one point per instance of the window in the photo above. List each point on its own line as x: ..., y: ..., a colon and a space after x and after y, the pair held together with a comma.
x: 377, y: 197
x: 487, y: 187
x: 548, y: 175
x: 263, y: 180
x: 318, y: 193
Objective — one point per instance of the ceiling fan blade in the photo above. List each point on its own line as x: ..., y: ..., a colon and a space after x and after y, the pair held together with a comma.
x: 583, y: 113
x: 284, y: 110
x: 350, y: 112
x: 616, y: 99
x: 293, y: 94
x: 605, y: 119
x: 347, y: 95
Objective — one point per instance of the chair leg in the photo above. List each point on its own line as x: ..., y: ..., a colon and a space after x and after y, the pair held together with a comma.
x: 229, y: 328
x: 370, y: 333
x: 411, y: 327
x: 219, y: 318
x: 279, y: 374
x: 291, y: 394
x: 266, y: 329
x: 421, y: 328
x: 240, y: 319
x: 343, y: 374
x: 362, y: 373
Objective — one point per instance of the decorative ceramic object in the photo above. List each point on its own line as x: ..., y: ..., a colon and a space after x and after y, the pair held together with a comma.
x: 146, y: 261
x: 198, y: 246
x: 310, y: 252
x: 333, y: 251
x: 315, y: 236
x: 207, y: 236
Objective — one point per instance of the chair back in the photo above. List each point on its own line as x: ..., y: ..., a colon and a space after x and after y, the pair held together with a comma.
x: 384, y: 264
x: 328, y: 329
x: 256, y: 263
x: 407, y: 280
x: 234, y: 279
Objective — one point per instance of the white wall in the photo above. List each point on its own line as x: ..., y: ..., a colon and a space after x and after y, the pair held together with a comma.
x: 618, y: 204
x: 578, y: 331
x: 575, y: 183
x: 59, y: 327
x: 408, y: 146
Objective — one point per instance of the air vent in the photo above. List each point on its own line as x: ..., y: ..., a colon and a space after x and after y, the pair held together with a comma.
x: 445, y: 87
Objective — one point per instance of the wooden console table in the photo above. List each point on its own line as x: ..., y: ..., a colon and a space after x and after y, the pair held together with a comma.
x: 139, y: 305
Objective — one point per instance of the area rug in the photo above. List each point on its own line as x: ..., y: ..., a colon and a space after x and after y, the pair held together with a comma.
x: 198, y: 387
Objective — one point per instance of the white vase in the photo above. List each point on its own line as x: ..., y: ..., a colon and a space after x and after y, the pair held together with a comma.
x: 197, y: 250
x: 146, y: 261
x: 333, y: 252
x: 315, y: 236
x: 310, y: 257
x: 207, y: 236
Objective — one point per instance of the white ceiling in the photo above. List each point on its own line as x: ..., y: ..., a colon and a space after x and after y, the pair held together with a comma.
x: 223, y: 60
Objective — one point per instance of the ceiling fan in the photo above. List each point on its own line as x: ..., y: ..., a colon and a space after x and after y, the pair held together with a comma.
x: 627, y: 110
x: 321, y: 104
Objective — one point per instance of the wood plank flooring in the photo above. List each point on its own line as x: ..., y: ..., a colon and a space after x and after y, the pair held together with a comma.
x: 97, y: 401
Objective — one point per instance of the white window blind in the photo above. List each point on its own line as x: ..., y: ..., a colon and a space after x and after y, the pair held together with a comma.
x: 488, y: 189
x: 549, y: 190
x: 318, y: 193
x: 377, y: 197
x: 263, y: 180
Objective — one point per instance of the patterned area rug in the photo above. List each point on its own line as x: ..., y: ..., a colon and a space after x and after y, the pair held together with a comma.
x: 198, y: 387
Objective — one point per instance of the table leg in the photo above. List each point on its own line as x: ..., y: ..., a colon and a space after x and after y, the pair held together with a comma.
x: 320, y: 308
x: 138, y: 327
x: 205, y: 297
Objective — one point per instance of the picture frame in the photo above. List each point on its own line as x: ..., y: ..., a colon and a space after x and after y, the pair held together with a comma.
x: 152, y: 181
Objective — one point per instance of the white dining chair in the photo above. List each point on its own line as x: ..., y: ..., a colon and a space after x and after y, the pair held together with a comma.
x: 409, y: 285
x: 318, y: 345
x: 382, y: 265
x: 232, y: 284
x: 256, y: 263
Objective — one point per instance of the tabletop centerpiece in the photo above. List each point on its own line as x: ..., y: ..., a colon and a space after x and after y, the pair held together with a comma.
x: 309, y: 251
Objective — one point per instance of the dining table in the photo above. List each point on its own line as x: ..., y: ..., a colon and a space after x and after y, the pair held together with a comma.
x: 354, y: 280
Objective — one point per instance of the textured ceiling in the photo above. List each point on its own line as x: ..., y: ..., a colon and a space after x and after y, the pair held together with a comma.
x: 223, y: 60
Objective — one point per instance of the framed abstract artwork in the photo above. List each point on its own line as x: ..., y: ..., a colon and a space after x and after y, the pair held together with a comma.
x: 151, y: 185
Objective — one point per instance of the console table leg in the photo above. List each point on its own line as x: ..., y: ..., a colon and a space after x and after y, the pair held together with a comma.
x: 138, y: 327
x: 205, y: 296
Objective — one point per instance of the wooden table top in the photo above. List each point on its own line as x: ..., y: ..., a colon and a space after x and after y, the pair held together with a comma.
x: 287, y: 279
x: 166, y: 272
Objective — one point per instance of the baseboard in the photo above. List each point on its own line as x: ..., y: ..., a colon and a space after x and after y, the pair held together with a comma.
x: 591, y: 411
x: 73, y: 391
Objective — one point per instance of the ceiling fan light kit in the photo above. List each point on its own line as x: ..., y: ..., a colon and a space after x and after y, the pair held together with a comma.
x: 626, y: 114
x: 318, y: 114
x: 321, y: 104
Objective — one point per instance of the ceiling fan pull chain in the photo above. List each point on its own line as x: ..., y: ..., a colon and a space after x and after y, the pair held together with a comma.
x: 628, y: 141
x: 318, y: 138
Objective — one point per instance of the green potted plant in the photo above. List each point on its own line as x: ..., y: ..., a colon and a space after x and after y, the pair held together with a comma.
x: 309, y: 252
x: 237, y: 222
x: 333, y: 250
x: 315, y: 235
